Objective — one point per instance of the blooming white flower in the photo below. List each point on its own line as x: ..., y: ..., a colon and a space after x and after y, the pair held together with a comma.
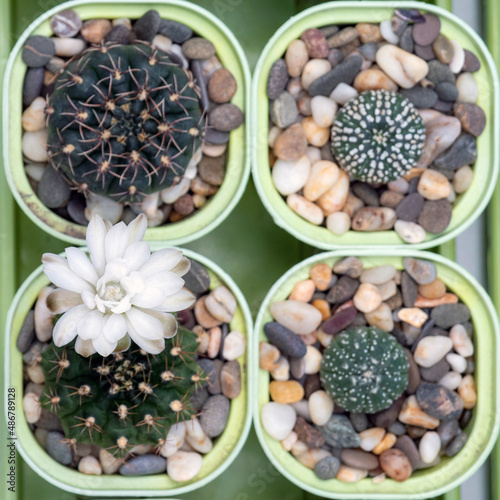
x: 122, y: 293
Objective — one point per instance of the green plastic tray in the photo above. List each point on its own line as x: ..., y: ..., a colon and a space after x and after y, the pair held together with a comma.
x: 254, y: 256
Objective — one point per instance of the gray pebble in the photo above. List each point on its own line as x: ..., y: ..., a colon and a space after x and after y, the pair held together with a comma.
x: 369, y: 51
x: 448, y: 315
x: 201, y: 82
x: 457, y: 444
x: 462, y: 152
x: 447, y: 430
x: 27, y: 333
x: 214, y: 136
x: 412, y: 188
x: 343, y: 290
x: 230, y: 379
x: 409, y: 289
x: 471, y: 63
x: 66, y: 23
x: 198, y: 399
x: 414, y: 378
x: 177, y: 32
x: 208, y: 366
x: 198, y: 48
x: 339, y: 433
x: 284, y: 110
x: 38, y: 51
x: 226, y: 117
x: 425, y: 52
x: 297, y: 367
x: 410, y: 207
x: 435, y: 216
x: 49, y: 421
x: 53, y: 190
x: 443, y: 106
x: 359, y: 459
x: 397, y: 428
x: 327, y: 468
x: 32, y: 85
x: 212, y: 170
x: 408, y: 447
x: 344, y: 72
x: 143, y: 465
x: 343, y: 37
x: 465, y: 418
x: 366, y: 193
x: 335, y: 56
x: 215, y: 387
x: 420, y: 97
x: 329, y: 30
x: 214, y: 415
x: 76, y: 210
x: 285, y: 340
x: 57, y: 448
x: 388, y: 416
x: 147, y: 26
x: 197, y: 280
x: 439, y: 401
x: 277, y: 79
x: 406, y: 39
x: 119, y: 34
x: 359, y: 421
x: 439, y: 72
x: 435, y: 372
x: 422, y: 271
x: 447, y: 91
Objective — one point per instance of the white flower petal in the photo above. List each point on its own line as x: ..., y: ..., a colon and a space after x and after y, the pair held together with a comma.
x: 160, y: 261
x: 137, y: 254
x: 137, y: 229
x: 177, y: 302
x: 144, y: 324
x: 96, y: 233
x: 59, y: 273
x: 151, y: 346
x: 90, y: 326
x: 116, y: 242
x: 122, y: 306
x: 168, y: 322
x: 65, y: 328
x: 103, y: 346
x: 133, y: 283
x: 150, y: 298
x: 89, y: 299
x: 168, y: 282
x: 60, y: 301
x: 84, y: 347
x: 80, y: 264
x: 115, y: 327
x: 123, y: 344
x: 114, y: 272
x: 182, y: 267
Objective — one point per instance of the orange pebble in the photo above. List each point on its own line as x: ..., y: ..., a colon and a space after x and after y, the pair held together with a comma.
x: 286, y: 392
x: 323, y: 307
x: 434, y: 290
x: 303, y: 291
x: 321, y: 274
x: 414, y: 172
x: 387, y: 442
x: 447, y: 298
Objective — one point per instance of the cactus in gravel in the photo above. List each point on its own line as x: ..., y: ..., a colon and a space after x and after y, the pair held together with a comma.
x: 364, y: 369
x: 124, y: 399
x: 378, y: 136
x: 124, y: 121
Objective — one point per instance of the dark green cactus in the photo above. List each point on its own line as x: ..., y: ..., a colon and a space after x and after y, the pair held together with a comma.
x: 378, y: 136
x: 364, y: 369
x: 124, y: 399
x: 124, y: 121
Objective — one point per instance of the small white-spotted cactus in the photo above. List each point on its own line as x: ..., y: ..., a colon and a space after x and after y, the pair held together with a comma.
x: 364, y: 369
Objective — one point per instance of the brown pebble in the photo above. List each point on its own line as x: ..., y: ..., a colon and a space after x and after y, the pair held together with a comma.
x: 425, y: 33
x: 359, y: 459
x: 268, y: 356
x: 390, y: 199
x: 321, y: 274
x: 434, y: 290
x: 291, y: 144
x: 212, y: 170
x: 184, y: 205
x: 343, y: 37
x: 435, y: 216
x: 369, y: 33
x: 443, y: 49
x: 323, y: 307
x: 471, y: 63
x: 425, y: 52
x: 396, y: 464
x: 230, y: 379
x: 203, y: 317
x: 198, y: 48
x: 94, y: 30
x: 316, y: 44
x: 471, y: 117
x: 308, y: 434
x: 222, y: 86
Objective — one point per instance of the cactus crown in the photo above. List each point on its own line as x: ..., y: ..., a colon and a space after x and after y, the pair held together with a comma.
x: 378, y: 136
x: 124, y: 399
x: 124, y: 121
x: 364, y: 369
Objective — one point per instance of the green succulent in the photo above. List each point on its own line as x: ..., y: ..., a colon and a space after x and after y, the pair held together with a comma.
x: 378, y: 136
x: 123, y: 121
x: 124, y: 399
x: 364, y: 369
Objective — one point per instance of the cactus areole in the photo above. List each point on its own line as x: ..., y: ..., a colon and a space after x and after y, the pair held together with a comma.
x: 364, y: 369
x: 378, y: 136
x: 125, y: 399
x: 124, y: 121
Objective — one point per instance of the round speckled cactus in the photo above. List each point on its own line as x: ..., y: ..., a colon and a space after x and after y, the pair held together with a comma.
x: 364, y: 369
x: 378, y: 136
x: 124, y: 121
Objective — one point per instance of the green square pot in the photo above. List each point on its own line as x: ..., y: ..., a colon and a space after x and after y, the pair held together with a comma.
x: 482, y: 429
x: 225, y: 450
x: 238, y: 165
x: 468, y: 205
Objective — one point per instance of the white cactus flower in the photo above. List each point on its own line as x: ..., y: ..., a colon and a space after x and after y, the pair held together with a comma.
x: 122, y: 293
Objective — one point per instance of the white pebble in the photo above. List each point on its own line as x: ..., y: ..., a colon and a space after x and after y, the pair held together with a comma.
x: 410, y: 232
x: 400, y: 186
x: 462, y: 343
x: 34, y: 145
x: 289, y: 441
x: 457, y: 61
x: 305, y: 209
x: 184, y: 465
x: 387, y: 289
x: 278, y: 420
x: 320, y: 407
x: 371, y: 438
x: 196, y: 437
x: 35, y: 374
x: 451, y: 380
x: 177, y: 50
x: 173, y: 193
x: 43, y: 316
x: 463, y: 179
x: 312, y: 360
x: 90, y: 465
x: 458, y: 363
x: 343, y: 93
x: 378, y: 274
x: 162, y: 42
x: 431, y: 350
x: 387, y: 33
x: 68, y: 47
x: 302, y: 409
x: 221, y: 304
x: 429, y: 446
x: 467, y: 87
x: 299, y: 448
x: 35, y: 171
x: 282, y: 371
x: 338, y: 223
x: 323, y: 110
x: 32, y: 407
x: 291, y: 176
x: 175, y: 438
x: 300, y: 317
x: 149, y: 205
x: 234, y: 345
x: 381, y: 317
x: 273, y: 135
x: 324, y: 175
x: 103, y: 206
x: 313, y: 70
x: 314, y: 154
x: 33, y: 118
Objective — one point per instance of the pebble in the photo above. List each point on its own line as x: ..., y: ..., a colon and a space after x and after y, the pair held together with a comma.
x: 94, y: 30
x: 409, y: 231
x: 278, y: 420
x: 457, y: 363
x: 34, y: 145
x: 373, y: 219
x: 33, y: 118
x: 387, y: 443
x: 463, y: 179
x: 381, y: 317
x: 446, y: 91
x: 367, y: 298
x: 57, y: 448
x: 234, y: 345
x: 327, y: 468
x: 339, y: 433
x: 373, y: 79
x: 443, y: 48
x: 448, y: 315
x: 341, y: 319
x: 471, y: 62
x: 221, y: 304
x: 269, y: 356
x: 433, y: 186
x: 32, y: 407
x: 32, y: 85
x: 66, y: 23
x: 408, y: 447
x: 289, y: 441
x: 177, y: 32
x: 323, y: 110
x: 147, y: 25
x: 38, y: 51
x: 291, y: 176
x: 451, y: 380
x: 439, y: 72
x: 338, y: 223
x: 435, y: 216
x: 343, y: 93
x: 313, y: 70
x: 431, y: 350
x: 109, y: 463
x: 286, y: 392
x: 366, y: 193
x: 389, y: 199
x: 429, y: 447
x: 343, y: 37
x: 90, y: 465
x: 296, y: 57
x: 370, y: 438
x: 196, y: 437
x: 197, y: 280
x: 458, y: 57
x: 307, y: 434
x: 198, y: 48
x: 447, y: 430
x: 462, y: 343
x: 439, y: 402
x: 283, y: 110
x: 402, y: 67
x: 344, y: 72
x: 222, y: 86
x: 315, y: 135
x: 226, y: 117
x: 305, y: 209
x: 472, y: 118
x: 378, y: 275
x: 456, y: 445
x: 321, y: 275
x: 467, y: 392
x: 230, y: 379
x: 282, y: 371
x: 426, y: 33
x: 335, y: 198
x: 423, y: 272
x: 387, y: 32
x: 26, y: 335
x: 184, y: 465
x: 420, y: 97
x: 396, y: 464
x: 315, y: 43
x: 122, y: 35
x: 351, y: 475
x: 53, y: 190
x: 312, y: 360
x: 285, y: 340
x: 462, y: 152
x: 412, y: 414
x: 320, y: 407
x: 413, y: 316
x: 359, y: 459
x: 369, y: 32
x: 468, y: 90
x: 175, y: 439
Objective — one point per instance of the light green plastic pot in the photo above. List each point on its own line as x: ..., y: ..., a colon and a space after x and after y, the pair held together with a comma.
x: 468, y: 205
x: 238, y: 165
x: 225, y: 449
x: 482, y: 429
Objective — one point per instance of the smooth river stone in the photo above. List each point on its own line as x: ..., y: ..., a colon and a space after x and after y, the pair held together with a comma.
x: 462, y: 152
x: 374, y: 219
x: 305, y: 208
x: 430, y: 350
x: 439, y: 401
x: 285, y: 340
x: 300, y: 317
x: 322, y: 177
x: 339, y: 321
x: 345, y: 72
x: 278, y: 420
x: 291, y: 176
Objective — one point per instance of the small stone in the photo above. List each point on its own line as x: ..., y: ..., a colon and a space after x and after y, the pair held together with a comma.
x: 327, y: 468
x: 344, y: 72
x: 368, y: 32
x: 53, y: 190
x: 468, y: 90
x: 94, y: 30
x: 443, y: 49
x: 58, y: 448
x: 323, y: 110
x: 423, y: 272
x: 147, y: 25
x: 278, y: 420
x: 429, y: 447
x: 286, y: 392
x: 315, y: 135
x: 230, y: 379
x: 402, y: 67
x: 446, y: 91
x: 456, y: 445
x: 457, y: 363
x: 196, y: 437
x: 373, y: 79
x: 366, y: 193
x: 37, y: 51
x: 32, y: 407
x: 390, y: 199
x: 343, y: 37
x: 359, y: 459
x: 425, y: 52
x: 339, y: 433
x: 282, y: 371
x: 463, y: 179
x: 471, y: 117
x: 439, y: 72
x: 33, y: 117
x: 284, y: 110
x: 413, y: 316
x: 312, y: 360
x: 321, y: 275
x: 222, y: 86
x: 462, y: 343
x: 351, y: 475
x: 462, y: 152
x: 343, y: 93
x: 291, y: 144
x: 341, y: 319
x: 184, y: 205
x: 34, y: 146
x: 277, y: 79
x: 367, y: 298
x: 313, y: 70
x: 406, y: 39
x: 32, y: 85
x: 27, y: 333
x: 90, y: 465
x: 370, y: 438
x: 221, y: 304
x: 197, y: 280
x: 109, y: 463
x: 471, y: 62
x: 412, y: 414
x: 119, y: 34
x: 458, y: 58
x: 409, y: 231
x: 203, y: 317
x: 436, y: 372
x: 420, y: 97
x: 285, y: 340
x: 315, y: 42
x: 374, y: 219
x: 269, y: 355
x: 308, y: 434
x: 320, y: 407
x: 387, y: 442
x: 467, y: 392
x: 439, y: 402
x: 226, y: 117
x: 234, y: 345
x: 352, y: 267
x: 451, y: 380
x: 388, y: 33
x: 66, y: 23
x: 338, y: 223
x: 396, y: 464
x: 198, y: 48
x: 177, y: 32
x: 299, y: 317
x: 435, y: 216
x: 296, y: 58
x: 426, y: 33
x: 430, y: 350
x: 448, y: 315
x: 183, y: 465
x: 303, y: 291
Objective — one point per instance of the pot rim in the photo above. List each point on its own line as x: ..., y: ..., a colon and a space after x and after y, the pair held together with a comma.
x: 10, y: 370
x: 285, y: 218
x: 260, y: 390
x: 202, y: 221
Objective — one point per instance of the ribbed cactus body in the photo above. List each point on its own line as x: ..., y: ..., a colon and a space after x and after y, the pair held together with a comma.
x: 124, y: 121
x: 124, y: 399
